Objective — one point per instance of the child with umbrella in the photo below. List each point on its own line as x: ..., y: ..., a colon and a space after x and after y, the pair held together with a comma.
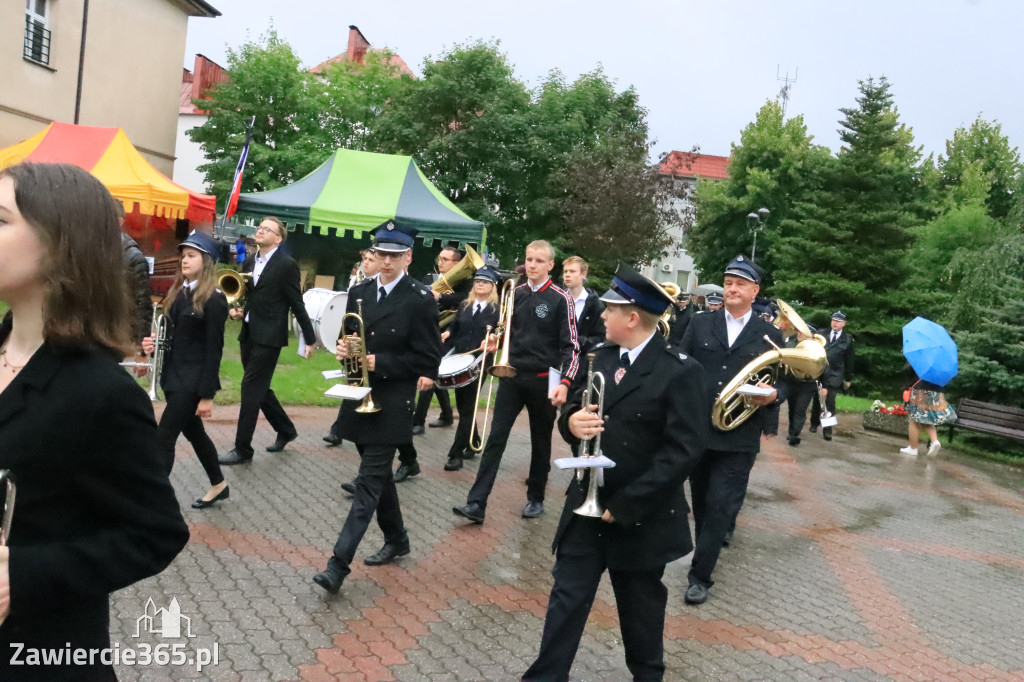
x: 932, y: 358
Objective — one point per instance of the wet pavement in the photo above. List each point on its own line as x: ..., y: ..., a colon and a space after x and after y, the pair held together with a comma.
x: 850, y: 562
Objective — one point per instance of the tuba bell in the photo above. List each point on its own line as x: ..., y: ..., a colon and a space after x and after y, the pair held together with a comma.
x: 806, y: 362
x: 233, y: 284
x: 665, y: 321
x: 445, y: 284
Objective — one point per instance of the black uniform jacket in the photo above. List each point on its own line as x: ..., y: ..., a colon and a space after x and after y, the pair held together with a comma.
x: 192, y: 359
x: 544, y: 332
x: 707, y: 342
x: 94, y: 512
x: 680, y: 321
x: 467, y: 330
x: 401, y: 331
x: 840, y: 361
x: 654, y: 432
x: 268, y: 302
x: 590, y: 326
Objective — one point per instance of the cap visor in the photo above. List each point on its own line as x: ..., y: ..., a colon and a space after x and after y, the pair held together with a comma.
x: 612, y: 296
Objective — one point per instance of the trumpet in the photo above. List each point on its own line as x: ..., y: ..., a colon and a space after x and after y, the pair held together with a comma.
x: 592, y: 448
x: 233, y: 285
x: 502, y: 369
x: 355, y: 358
x: 158, y: 330
x: 477, y: 445
x: 7, y: 481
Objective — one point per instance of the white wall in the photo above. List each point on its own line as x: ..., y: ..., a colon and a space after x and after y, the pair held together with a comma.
x: 189, y: 154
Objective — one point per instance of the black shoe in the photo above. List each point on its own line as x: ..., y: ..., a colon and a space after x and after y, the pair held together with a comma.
x: 532, y: 510
x: 418, y: 430
x: 471, y: 511
x: 813, y: 429
x: 727, y: 540
x: 406, y: 471
x: 469, y: 454
x: 794, y: 441
x: 331, y: 578
x: 696, y: 594
x: 453, y: 464
x: 440, y: 423
x: 203, y: 504
x: 232, y: 457
x: 281, y: 441
x: 387, y: 554
x: 350, y: 488
x: 332, y: 440
x: 827, y: 434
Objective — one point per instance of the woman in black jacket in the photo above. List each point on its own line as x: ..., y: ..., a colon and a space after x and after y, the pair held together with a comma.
x: 95, y: 511
x: 467, y: 332
x: 196, y: 311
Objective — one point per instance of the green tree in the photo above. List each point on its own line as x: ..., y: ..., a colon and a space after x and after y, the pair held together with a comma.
x: 288, y: 139
x: 845, y: 248
x: 775, y: 165
x: 980, y: 160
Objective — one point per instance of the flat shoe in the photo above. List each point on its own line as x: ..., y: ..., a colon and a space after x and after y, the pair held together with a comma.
x: 203, y: 504
x: 696, y: 594
x: 281, y: 441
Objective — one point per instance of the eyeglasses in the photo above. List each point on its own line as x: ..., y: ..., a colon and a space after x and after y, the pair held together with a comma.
x: 388, y: 255
x: 268, y: 229
x: 442, y: 259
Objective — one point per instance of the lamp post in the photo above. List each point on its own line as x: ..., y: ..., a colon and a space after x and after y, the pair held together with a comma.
x: 756, y: 223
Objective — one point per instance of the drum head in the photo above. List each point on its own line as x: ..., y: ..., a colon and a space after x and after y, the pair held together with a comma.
x: 325, y: 308
x: 453, y: 364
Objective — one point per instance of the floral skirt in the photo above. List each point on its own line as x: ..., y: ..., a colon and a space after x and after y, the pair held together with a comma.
x: 929, y: 407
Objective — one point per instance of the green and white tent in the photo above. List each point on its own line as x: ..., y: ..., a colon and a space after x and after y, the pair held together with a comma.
x: 356, y: 191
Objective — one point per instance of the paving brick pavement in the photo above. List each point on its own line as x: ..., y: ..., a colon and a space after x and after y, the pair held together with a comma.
x: 851, y: 562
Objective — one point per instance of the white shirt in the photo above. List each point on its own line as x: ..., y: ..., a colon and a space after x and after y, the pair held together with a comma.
x: 580, y: 303
x: 389, y: 287
x: 734, y: 325
x: 478, y: 306
x: 835, y: 336
x: 261, y: 263
x: 190, y: 286
x: 634, y: 353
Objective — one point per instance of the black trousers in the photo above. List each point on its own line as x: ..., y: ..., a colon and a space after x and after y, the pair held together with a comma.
x: 258, y: 364
x: 640, y: 598
x: 830, y: 403
x: 406, y: 451
x: 465, y: 402
x: 514, y: 394
x: 799, y: 397
x: 718, y: 485
x: 179, y: 417
x: 375, y: 492
x: 423, y: 405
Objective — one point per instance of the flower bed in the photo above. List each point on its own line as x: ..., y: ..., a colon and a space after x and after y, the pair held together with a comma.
x: 888, y: 419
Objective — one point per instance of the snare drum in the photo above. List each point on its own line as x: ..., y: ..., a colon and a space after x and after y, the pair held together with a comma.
x: 325, y: 309
x: 459, y: 370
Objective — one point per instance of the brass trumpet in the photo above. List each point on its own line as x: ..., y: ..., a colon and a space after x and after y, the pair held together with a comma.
x: 355, y: 359
x: 592, y: 448
x: 502, y: 369
x: 233, y: 285
x: 481, y: 436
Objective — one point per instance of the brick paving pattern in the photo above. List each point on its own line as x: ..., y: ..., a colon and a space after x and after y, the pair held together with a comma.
x: 850, y: 562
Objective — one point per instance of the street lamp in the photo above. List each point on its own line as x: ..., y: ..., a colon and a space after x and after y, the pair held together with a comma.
x: 756, y: 223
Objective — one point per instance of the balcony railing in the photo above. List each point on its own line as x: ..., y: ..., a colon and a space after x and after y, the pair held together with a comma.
x: 37, y: 42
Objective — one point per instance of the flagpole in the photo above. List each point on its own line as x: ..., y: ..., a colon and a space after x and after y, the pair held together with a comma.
x: 236, y: 184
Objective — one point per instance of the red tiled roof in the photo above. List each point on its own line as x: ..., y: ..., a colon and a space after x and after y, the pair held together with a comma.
x: 394, y: 61
x: 197, y: 84
x: 690, y: 164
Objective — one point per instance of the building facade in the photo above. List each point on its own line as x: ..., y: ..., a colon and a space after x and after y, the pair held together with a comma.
x: 127, y: 76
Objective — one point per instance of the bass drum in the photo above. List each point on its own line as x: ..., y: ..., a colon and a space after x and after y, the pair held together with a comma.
x: 459, y: 370
x: 325, y: 308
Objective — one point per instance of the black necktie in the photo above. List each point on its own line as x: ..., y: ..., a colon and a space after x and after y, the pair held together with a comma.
x: 476, y: 309
x: 383, y: 294
x: 624, y: 360
x: 835, y: 335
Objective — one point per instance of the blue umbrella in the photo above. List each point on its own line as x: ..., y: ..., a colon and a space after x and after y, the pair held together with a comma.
x: 930, y: 351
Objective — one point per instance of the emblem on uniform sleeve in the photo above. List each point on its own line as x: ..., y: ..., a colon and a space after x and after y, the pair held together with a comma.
x: 542, y: 310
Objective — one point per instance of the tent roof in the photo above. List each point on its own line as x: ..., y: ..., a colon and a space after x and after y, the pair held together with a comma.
x: 109, y: 155
x: 357, y: 191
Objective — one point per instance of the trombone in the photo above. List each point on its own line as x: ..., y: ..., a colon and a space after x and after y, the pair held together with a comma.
x: 502, y: 369
x: 355, y: 359
x: 481, y: 434
x: 591, y: 449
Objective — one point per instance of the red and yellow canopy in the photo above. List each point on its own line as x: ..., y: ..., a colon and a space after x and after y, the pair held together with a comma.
x: 108, y: 154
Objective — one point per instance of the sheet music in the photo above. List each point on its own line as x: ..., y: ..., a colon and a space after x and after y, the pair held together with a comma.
x: 346, y: 392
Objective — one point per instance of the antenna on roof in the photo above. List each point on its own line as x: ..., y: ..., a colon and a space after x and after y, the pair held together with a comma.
x: 787, y: 83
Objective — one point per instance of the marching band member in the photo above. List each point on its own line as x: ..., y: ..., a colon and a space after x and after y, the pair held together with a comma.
x: 651, y: 430
x: 587, y: 304
x: 402, y: 346
x: 466, y: 333
x: 196, y: 311
x: 543, y: 335
x: 724, y: 341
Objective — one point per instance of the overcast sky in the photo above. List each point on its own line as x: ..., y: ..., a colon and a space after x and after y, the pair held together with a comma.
x: 702, y: 69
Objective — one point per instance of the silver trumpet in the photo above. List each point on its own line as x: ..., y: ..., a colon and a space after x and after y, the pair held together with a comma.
x: 592, y: 448
x: 158, y: 330
x: 7, y: 482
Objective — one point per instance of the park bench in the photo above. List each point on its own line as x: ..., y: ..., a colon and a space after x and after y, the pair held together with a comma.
x: 998, y: 420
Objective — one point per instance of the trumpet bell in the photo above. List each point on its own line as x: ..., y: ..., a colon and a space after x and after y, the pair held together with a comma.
x: 233, y: 284
x: 590, y: 507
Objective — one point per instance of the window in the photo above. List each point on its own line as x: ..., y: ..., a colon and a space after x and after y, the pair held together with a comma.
x: 37, y: 31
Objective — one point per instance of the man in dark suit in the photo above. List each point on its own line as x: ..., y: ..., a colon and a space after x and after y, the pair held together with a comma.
x: 272, y: 292
x: 836, y: 377
x: 587, y: 304
x: 724, y: 341
x: 403, y: 351
x: 653, y: 431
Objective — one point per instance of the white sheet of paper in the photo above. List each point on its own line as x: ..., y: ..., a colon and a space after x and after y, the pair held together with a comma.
x: 333, y: 374
x: 554, y: 379
x: 302, y: 347
x: 829, y: 421
x: 346, y: 392
x: 751, y: 389
x: 584, y: 462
